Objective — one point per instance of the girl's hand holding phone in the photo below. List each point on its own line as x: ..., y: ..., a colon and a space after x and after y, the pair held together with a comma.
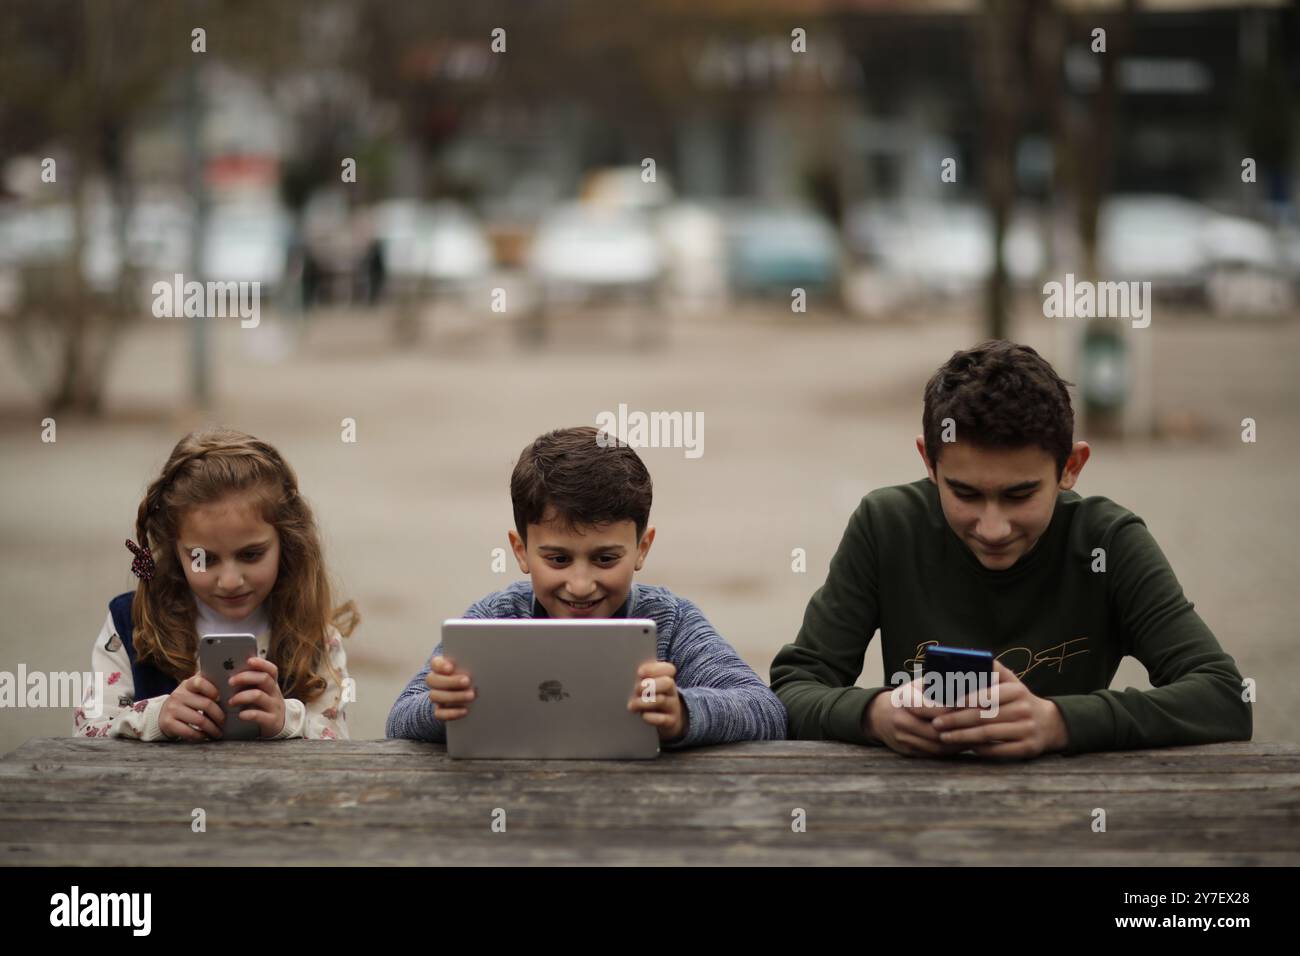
x: 257, y: 692
x: 191, y: 711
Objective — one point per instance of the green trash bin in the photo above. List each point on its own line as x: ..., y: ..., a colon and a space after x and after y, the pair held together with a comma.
x: 1105, y: 366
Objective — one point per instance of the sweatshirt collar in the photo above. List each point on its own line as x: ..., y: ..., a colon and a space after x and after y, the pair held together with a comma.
x: 625, y: 610
x: 211, y: 621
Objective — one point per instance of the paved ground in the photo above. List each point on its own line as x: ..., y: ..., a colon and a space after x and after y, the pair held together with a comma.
x: 802, y: 416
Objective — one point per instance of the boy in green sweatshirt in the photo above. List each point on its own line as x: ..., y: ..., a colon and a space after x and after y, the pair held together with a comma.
x: 994, y: 551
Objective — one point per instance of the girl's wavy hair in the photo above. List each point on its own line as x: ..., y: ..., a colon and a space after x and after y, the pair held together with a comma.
x: 205, y: 467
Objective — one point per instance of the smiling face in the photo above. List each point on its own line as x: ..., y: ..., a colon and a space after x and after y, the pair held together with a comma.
x: 999, y: 501
x: 581, y: 572
x: 241, y: 555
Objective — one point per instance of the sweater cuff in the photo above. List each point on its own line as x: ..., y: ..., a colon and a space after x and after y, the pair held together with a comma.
x: 151, y: 730
x: 697, y: 720
x: 421, y: 724
x: 845, y: 718
x: 1089, y: 722
x: 295, y: 719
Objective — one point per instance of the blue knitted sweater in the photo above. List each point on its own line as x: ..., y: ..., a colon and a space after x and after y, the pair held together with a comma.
x: 724, y: 699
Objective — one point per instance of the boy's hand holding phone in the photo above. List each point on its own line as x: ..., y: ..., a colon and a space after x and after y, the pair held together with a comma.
x: 657, y: 699
x: 1024, y: 726
x: 193, y: 704
x: 450, y: 689
x: 257, y: 692
x: 908, y: 729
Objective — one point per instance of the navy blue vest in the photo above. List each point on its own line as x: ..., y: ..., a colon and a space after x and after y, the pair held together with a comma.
x: 149, y: 680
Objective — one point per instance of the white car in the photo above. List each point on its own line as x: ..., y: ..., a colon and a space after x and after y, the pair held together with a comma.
x: 440, y: 241
x: 247, y: 243
x: 242, y: 242
x: 157, y: 236
x: 1180, y: 246
x: 944, y: 248
x: 580, y: 249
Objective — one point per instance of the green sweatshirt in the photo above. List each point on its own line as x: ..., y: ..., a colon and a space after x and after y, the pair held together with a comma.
x: 1061, y: 626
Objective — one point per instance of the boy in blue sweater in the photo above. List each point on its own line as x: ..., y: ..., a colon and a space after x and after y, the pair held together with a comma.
x: 582, y: 510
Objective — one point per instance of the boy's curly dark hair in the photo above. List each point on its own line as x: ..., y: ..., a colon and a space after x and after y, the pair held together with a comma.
x: 588, y: 478
x: 999, y: 395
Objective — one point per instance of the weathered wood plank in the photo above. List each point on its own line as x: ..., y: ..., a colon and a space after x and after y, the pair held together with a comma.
x: 632, y: 847
x: 794, y: 757
x: 305, y: 749
x: 566, y: 804
x: 55, y: 784
x: 65, y: 801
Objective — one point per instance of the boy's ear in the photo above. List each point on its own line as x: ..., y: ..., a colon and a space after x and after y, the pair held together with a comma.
x: 643, y: 548
x: 1079, y: 456
x: 925, y: 459
x: 520, y: 549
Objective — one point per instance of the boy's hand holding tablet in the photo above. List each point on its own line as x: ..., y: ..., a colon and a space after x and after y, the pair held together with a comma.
x: 657, y: 699
x: 450, y: 690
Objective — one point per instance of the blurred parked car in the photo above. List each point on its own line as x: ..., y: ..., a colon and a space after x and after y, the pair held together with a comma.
x: 582, y: 250
x: 780, y: 248
x: 1184, y: 248
x: 247, y: 242
x: 943, y: 249
x: 437, y: 243
x: 242, y: 242
x: 157, y: 238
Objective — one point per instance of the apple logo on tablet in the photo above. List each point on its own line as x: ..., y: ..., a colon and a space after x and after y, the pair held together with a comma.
x: 549, y: 690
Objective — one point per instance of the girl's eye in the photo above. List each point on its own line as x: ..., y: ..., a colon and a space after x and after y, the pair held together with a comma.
x: 251, y: 556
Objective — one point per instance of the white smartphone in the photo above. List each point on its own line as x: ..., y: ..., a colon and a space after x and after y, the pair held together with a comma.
x: 221, y: 657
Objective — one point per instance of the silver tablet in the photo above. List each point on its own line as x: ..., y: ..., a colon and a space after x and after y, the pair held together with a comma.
x: 551, y: 689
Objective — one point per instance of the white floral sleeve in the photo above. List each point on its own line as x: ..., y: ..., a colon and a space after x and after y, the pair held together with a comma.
x: 324, y: 717
x: 118, y: 713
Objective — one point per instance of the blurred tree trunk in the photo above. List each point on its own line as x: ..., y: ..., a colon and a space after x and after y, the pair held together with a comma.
x: 1000, y: 77
x: 79, y: 76
x: 1083, y: 128
x: 1094, y: 140
x: 71, y: 392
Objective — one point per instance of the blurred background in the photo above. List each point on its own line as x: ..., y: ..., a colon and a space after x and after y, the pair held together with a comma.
x: 473, y: 223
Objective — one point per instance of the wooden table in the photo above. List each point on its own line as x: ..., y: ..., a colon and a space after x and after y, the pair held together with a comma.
x: 73, y: 801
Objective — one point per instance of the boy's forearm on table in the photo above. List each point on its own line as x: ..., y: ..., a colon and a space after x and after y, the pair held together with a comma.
x: 412, y: 716
x: 725, y: 714
x: 819, y: 712
x: 1190, y: 711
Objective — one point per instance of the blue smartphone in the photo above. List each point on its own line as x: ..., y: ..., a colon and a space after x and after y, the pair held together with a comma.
x: 960, y: 668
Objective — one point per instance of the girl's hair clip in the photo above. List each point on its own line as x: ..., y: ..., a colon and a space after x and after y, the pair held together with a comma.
x: 142, y: 567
